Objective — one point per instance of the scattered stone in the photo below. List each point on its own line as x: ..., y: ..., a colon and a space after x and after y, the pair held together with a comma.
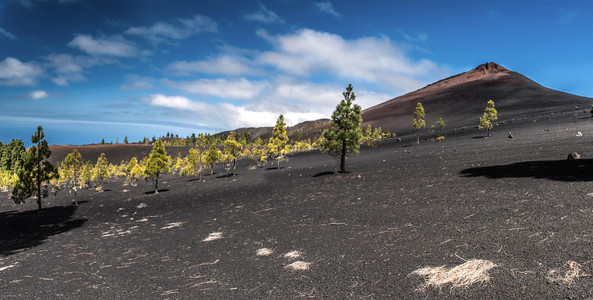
x: 299, y: 266
x: 574, y: 156
x: 142, y: 205
x: 398, y: 139
x: 264, y: 252
x: 510, y: 135
x: 579, y: 133
x: 213, y: 236
x: 293, y: 254
x: 124, y: 191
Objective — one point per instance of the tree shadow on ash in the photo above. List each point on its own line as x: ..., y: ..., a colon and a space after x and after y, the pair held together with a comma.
x: 560, y: 170
x: 22, y: 230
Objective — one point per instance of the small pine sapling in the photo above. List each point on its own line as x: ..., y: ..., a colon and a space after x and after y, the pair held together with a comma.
x: 419, y: 122
x: 490, y: 115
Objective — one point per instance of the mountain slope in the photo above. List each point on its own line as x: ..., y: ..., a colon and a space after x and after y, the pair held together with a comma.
x: 460, y: 100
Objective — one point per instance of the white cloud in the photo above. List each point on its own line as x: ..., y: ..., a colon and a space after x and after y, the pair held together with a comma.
x: 264, y: 15
x: 237, y: 89
x: 137, y: 82
x: 15, y: 72
x: 161, y: 31
x: 68, y: 68
x: 371, y: 59
x: 327, y: 7
x: 38, y: 95
x: 5, y: 33
x: 223, y: 64
x: 114, y: 45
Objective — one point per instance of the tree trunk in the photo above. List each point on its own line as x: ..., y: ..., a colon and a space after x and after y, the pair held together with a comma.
x: 343, y: 158
x: 488, y: 132
x: 278, y: 163
x: 156, y: 183
x: 38, y: 180
x: 417, y: 138
x: 234, y: 167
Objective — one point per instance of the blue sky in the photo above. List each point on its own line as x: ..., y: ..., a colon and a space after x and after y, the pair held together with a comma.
x: 92, y: 69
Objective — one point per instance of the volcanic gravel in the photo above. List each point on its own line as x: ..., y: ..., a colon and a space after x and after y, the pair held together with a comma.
x: 303, y: 231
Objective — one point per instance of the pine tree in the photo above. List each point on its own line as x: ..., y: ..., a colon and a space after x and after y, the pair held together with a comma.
x: 101, y: 170
x: 126, y: 139
x: 193, y: 163
x: 72, y: 172
x: 212, y: 156
x: 232, y: 148
x: 490, y: 115
x: 157, y: 163
x: 419, y: 122
x: 344, y: 134
x: 35, y: 171
x: 134, y: 171
x: 278, y: 141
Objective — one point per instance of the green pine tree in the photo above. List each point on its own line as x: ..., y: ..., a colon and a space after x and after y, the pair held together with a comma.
x: 157, y: 163
x: 36, y: 171
x: 490, y: 115
x: 101, y: 170
x: 232, y: 148
x: 212, y: 156
x: 419, y: 122
x: 344, y: 134
x: 278, y: 141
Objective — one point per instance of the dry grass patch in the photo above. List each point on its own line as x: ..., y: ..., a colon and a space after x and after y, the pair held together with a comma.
x: 298, y: 266
x: 213, y: 236
x: 264, y: 252
x: 567, y: 274
x: 293, y: 254
x: 459, y: 277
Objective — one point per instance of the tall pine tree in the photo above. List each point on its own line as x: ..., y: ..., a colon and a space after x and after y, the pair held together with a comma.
x: 344, y: 134
x: 36, y: 171
x: 278, y: 141
x: 157, y: 163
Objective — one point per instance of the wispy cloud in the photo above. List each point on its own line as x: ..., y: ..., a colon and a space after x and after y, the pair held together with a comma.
x: 31, y: 3
x: 163, y: 32
x: 370, y: 59
x: 38, y: 94
x: 114, y: 45
x: 264, y: 15
x: 137, y: 82
x: 327, y: 7
x: 223, y: 64
x: 5, y: 33
x: 15, y: 72
x: 66, y: 68
x: 420, y: 37
x: 236, y: 89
